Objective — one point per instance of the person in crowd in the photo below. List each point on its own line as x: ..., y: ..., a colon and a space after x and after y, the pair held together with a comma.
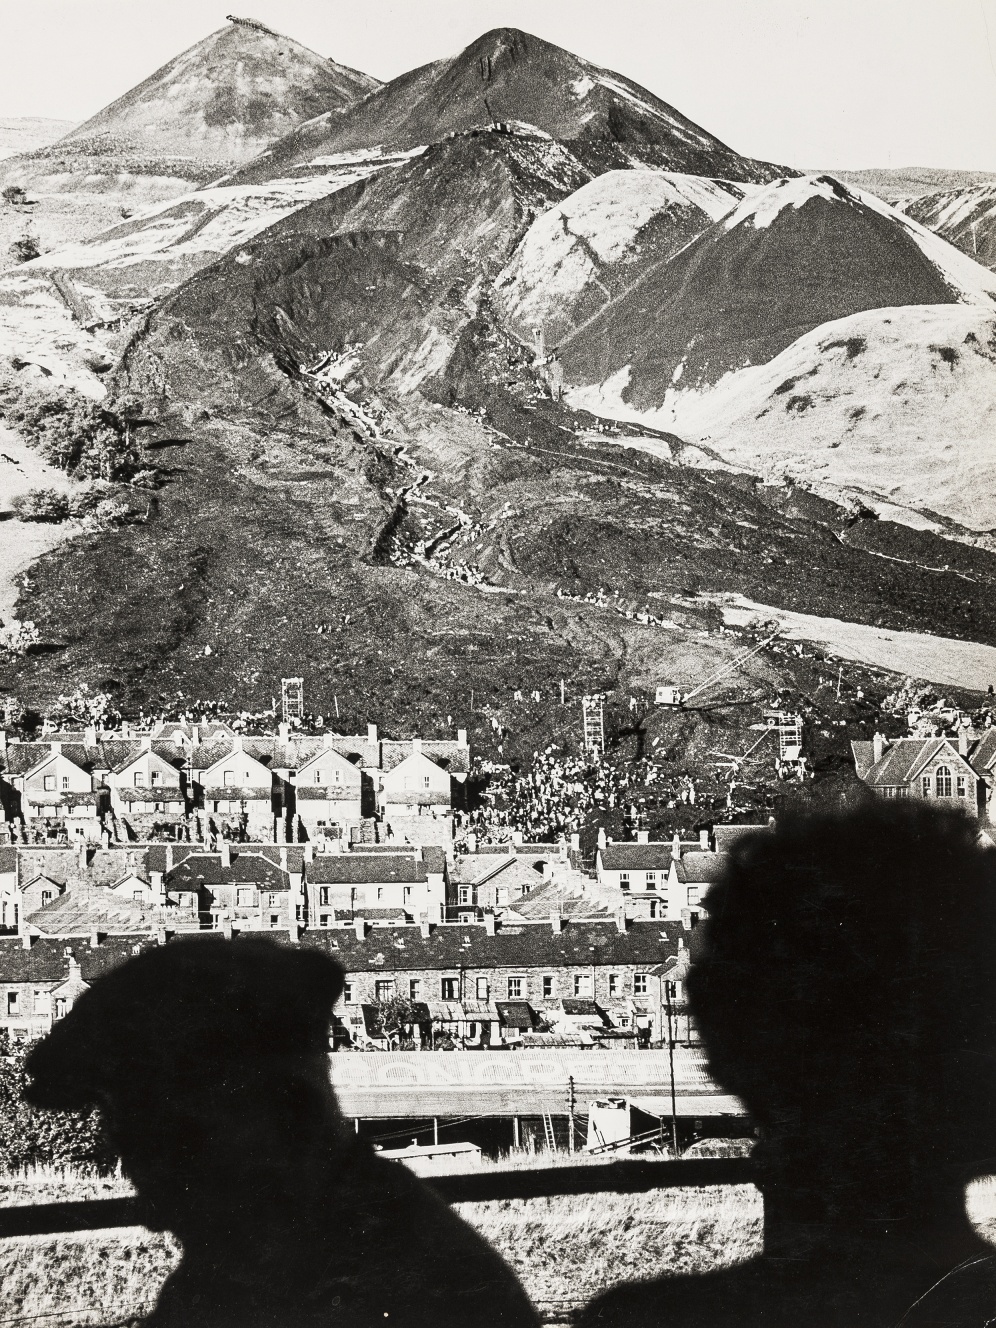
x: 208, y: 1059
x: 845, y: 990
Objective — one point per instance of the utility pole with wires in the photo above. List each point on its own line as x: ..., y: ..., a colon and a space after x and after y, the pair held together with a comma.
x: 570, y: 1113
x: 670, y: 1057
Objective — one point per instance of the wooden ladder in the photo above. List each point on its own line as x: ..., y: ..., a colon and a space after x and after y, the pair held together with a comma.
x: 551, y: 1140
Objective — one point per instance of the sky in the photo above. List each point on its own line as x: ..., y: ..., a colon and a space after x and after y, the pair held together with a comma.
x: 830, y: 83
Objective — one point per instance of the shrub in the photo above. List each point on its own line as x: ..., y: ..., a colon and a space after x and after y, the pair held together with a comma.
x: 24, y: 249
x: 29, y: 1136
x: 40, y: 505
x: 86, y: 438
x: 18, y: 637
x: 14, y: 194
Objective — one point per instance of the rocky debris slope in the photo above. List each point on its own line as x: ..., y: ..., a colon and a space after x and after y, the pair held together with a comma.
x: 965, y: 217
x: 510, y: 77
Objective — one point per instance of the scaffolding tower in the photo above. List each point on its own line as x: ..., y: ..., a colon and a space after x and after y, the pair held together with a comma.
x: 593, y: 713
x: 789, y: 726
x: 292, y: 699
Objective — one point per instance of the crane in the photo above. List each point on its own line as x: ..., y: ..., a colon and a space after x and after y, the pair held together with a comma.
x: 675, y: 698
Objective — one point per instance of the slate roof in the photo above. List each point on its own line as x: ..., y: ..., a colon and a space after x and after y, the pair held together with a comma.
x: 516, y: 1014
x: 152, y: 793
x: 726, y: 836
x: 239, y: 793
x: 78, y: 912
x: 248, y: 867
x: 904, y: 759
x: 701, y: 867
x: 983, y: 755
x: 447, y: 754
x: 417, y: 797
x: 528, y: 945
x: 104, y: 866
x: 637, y: 857
x: 8, y: 858
x: 327, y: 793
x: 366, y: 869
x: 46, y: 960
x: 475, y: 868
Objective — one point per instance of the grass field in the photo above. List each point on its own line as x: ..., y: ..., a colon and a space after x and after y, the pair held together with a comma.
x: 564, y: 1250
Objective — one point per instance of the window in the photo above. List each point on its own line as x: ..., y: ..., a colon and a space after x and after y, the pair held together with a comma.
x: 547, y: 985
x: 272, y: 901
x: 582, y: 984
x: 299, y: 913
x: 42, y: 1005
x: 380, y: 894
x: 425, y: 781
x: 140, y: 779
x: 515, y: 988
x: 960, y: 786
x: 60, y: 1007
x: 639, y: 984
x: 228, y: 777
x: 49, y: 782
x: 464, y: 895
x: 137, y: 896
x: 319, y: 779
x: 323, y: 919
x: 925, y: 786
x: 467, y: 918
x: 693, y: 896
x: 46, y: 898
x: 942, y: 778
x: 347, y: 992
x: 245, y: 897
x: 274, y: 919
x: 65, y: 782
x: 156, y: 777
x: 624, y: 880
x: 613, y: 984
x: 13, y: 1002
x: 651, y: 880
x: 449, y: 989
x: 407, y: 892
x: 336, y: 776
x: 482, y: 989
x: 324, y: 895
x: 384, y: 989
x: 414, y: 989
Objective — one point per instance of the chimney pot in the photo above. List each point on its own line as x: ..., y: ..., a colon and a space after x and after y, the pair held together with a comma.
x: 309, y: 851
x: 425, y: 927
x: 226, y: 928
x: 225, y: 849
x: 283, y: 857
x: 704, y: 840
x: 878, y: 747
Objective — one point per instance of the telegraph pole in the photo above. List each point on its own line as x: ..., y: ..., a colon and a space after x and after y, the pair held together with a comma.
x: 670, y: 1057
x: 570, y: 1113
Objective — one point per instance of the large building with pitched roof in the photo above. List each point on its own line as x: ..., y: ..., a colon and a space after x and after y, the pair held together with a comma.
x: 937, y: 769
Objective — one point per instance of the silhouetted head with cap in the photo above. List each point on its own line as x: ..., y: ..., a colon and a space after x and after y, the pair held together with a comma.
x: 208, y: 1059
x: 846, y: 991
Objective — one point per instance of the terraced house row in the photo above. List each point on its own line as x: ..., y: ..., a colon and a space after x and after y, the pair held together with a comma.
x: 207, y: 780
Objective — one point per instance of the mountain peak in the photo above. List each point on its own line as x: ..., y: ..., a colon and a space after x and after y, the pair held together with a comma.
x: 227, y: 97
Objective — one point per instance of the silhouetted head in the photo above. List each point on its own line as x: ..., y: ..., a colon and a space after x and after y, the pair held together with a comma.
x: 846, y: 991
x: 208, y: 1059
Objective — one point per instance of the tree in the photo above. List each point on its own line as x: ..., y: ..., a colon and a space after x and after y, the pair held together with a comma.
x: 398, y: 1018
x: 14, y: 195
x: 18, y: 637
x: 30, y: 1137
x: 82, y: 706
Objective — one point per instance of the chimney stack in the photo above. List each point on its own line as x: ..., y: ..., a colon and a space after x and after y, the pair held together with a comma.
x: 461, y: 737
x: 516, y: 838
x: 416, y: 746
x: 94, y: 939
x: 704, y: 841
x: 309, y: 851
x: 643, y: 836
x: 158, y: 888
x: 56, y: 748
x: 169, y: 857
x: 490, y: 923
x: 90, y: 736
x: 225, y: 849
x: 963, y: 741
x: 226, y: 928
x: 283, y: 857
x: 425, y: 926
x: 372, y: 734
x: 360, y: 928
x: 575, y: 842
x: 676, y: 847
x: 602, y: 841
x: 878, y: 748
x: 556, y: 921
x: 621, y: 923
x: 546, y: 870
x: 160, y: 936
